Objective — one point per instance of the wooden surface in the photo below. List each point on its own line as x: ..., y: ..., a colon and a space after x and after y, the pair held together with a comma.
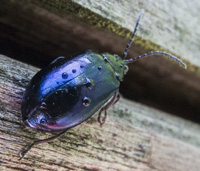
x: 135, y: 137
x: 173, y: 25
x: 36, y: 32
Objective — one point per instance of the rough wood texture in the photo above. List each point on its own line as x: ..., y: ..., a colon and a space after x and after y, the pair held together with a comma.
x: 170, y: 25
x: 133, y: 138
x: 174, y: 25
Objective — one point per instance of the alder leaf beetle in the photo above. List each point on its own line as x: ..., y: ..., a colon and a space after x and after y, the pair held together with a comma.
x: 69, y: 91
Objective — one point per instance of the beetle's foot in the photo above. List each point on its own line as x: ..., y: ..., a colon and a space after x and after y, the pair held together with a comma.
x: 22, y: 154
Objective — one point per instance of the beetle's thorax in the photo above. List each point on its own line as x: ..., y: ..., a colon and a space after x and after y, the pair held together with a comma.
x: 118, y: 65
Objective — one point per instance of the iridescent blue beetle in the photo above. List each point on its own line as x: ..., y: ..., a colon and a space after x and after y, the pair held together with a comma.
x: 69, y: 91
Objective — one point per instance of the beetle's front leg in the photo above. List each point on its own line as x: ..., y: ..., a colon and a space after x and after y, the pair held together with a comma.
x: 22, y: 82
x: 104, y: 109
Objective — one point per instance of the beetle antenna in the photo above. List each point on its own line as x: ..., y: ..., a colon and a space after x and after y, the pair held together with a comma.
x: 133, y: 35
x: 156, y: 53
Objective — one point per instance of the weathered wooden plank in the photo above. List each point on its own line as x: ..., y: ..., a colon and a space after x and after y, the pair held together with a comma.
x: 173, y: 25
x: 42, y: 30
x: 134, y: 137
x: 167, y: 25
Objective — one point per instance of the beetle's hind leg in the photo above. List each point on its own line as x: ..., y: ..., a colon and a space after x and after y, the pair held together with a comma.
x: 23, y: 153
x: 104, y: 109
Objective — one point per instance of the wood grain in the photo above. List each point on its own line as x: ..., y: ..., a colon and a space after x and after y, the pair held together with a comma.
x: 134, y: 137
x: 174, y: 25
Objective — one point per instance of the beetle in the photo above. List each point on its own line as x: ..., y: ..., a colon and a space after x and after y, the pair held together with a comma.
x: 71, y: 90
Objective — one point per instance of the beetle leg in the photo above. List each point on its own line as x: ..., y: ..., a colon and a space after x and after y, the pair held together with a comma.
x: 101, y: 122
x: 104, y: 109
x: 57, y: 59
x: 23, y: 153
x: 21, y: 82
x: 117, y: 97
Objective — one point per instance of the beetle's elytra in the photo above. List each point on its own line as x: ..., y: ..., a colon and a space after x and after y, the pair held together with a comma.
x: 69, y: 91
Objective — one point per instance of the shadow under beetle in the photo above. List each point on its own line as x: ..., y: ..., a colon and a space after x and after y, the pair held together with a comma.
x: 69, y: 91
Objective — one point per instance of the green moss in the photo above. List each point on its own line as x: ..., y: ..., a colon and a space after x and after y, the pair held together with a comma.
x: 68, y: 8
x: 73, y: 10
